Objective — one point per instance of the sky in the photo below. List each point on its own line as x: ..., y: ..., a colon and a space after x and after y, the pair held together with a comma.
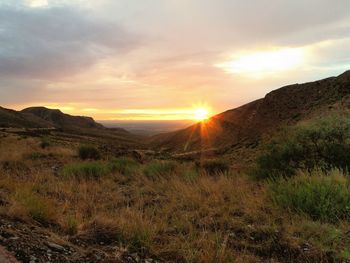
x: 164, y: 59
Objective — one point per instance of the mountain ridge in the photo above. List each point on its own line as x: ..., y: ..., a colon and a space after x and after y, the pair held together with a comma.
x: 248, y: 124
x: 58, y: 119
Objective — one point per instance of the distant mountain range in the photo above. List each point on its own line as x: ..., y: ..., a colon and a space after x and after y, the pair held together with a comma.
x: 41, y: 117
x: 247, y: 125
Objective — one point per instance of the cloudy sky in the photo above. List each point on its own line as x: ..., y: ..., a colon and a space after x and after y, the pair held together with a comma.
x: 160, y: 59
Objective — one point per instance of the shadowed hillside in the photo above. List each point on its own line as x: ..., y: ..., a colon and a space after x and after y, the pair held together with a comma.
x: 248, y: 124
x: 15, y: 119
x: 38, y: 119
x: 61, y: 120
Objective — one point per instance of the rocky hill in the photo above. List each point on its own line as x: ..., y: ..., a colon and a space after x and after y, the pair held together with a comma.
x: 15, y: 119
x: 61, y: 120
x: 38, y: 118
x: 247, y: 125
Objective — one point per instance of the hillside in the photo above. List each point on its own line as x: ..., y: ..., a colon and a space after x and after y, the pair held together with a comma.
x: 15, y: 119
x: 61, y: 120
x: 65, y: 124
x: 247, y: 125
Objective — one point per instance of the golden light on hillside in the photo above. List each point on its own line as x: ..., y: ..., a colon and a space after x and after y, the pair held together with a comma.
x: 264, y: 62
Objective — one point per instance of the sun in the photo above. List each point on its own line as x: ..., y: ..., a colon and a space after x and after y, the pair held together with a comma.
x: 200, y: 114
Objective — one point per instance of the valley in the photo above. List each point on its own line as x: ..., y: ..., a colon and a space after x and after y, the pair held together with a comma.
x: 72, y: 190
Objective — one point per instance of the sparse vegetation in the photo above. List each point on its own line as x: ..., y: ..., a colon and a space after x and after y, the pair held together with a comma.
x: 86, y: 170
x: 178, y: 212
x: 324, y: 197
x: 215, y: 166
x: 34, y: 206
x: 45, y: 142
x: 88, y: 152
x: 124, y: 166
x: 156, y: 169
x: 322, y: 144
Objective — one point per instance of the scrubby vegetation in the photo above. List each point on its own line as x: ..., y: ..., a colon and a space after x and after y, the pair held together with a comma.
x: 45, y: 142
x: 88, y: 152
x: 189, y: 212
x: 123, y: 165
x: 33, y: 205
x: 215, y: 166
x: 321, y: 196
x: 322, y: 144
x: 156, y: 169
x: 86, y: 170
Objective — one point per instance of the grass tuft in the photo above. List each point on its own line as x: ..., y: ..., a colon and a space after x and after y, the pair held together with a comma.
x: 38, y: 208
x: 215, y: 166
x: 87, y: 170
x: 156, y: 169
x: 324, y: 197
x: 123, y: 165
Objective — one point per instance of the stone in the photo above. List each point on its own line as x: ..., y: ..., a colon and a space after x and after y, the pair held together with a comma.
x: 55, y: 247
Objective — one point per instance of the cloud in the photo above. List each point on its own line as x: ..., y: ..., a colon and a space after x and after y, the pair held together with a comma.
x: 107, y: 54
x: 50, y: 43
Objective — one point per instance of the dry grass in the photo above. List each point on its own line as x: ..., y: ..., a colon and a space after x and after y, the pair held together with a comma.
x: 225, y: 218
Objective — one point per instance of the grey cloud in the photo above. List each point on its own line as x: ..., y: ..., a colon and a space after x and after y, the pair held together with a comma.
x: 176, y: 43
x: 230, y: 23
x: 49, y: 43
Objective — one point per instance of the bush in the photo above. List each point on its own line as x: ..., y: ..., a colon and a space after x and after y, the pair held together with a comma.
x: 89, y: 170
x: 324, y: 197
x: 324, y: 144
x: 125, y: 166
x: 45, y: 142
x: 88, y: 152
x: 160, y: 168
x: 215, y: 166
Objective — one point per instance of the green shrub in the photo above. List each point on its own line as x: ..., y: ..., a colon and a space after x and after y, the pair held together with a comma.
x: 323, y: 143
x: 123, y: 165
x: 45, y: 142
x: 324, y: 197
x: 215, y: 166
x: 88, y: 170
x: 88, y: 152
x: 160, y: 168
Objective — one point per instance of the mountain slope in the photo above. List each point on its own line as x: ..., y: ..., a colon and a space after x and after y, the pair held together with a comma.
x: 248, y: 124
x: 41, y: 117
x: 15, y: 119
x: 61, y: 120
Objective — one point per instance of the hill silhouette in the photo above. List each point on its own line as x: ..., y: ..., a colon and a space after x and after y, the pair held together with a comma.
x: 11, y: 118
x: 58, y: 119
x: 43, y: 118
